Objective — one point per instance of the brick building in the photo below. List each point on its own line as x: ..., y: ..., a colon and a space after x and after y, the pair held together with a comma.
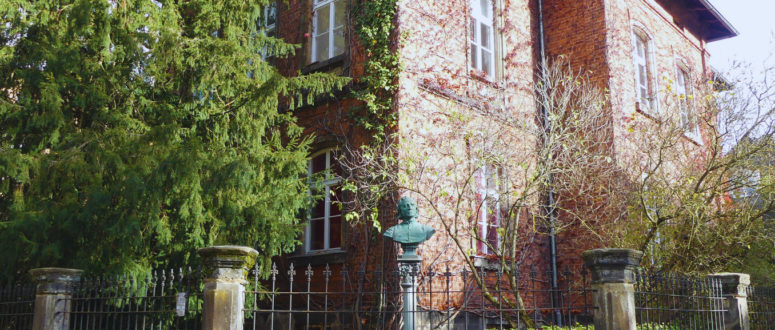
x: 475, y: 59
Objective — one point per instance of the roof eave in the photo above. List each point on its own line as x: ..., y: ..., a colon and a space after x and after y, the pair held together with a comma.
x: 725, y: 24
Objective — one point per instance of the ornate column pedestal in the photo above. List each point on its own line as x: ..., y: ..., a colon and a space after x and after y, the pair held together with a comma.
x: 225, y: 270
x: 53, y: 297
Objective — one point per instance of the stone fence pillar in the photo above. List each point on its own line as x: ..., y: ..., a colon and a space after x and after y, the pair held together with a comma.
x: 613, y: 278
x: 225, y: 270
x: 53, y: 297
x: 733, y: 287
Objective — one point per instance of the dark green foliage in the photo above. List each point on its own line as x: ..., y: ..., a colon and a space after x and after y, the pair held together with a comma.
x: 134, y: 132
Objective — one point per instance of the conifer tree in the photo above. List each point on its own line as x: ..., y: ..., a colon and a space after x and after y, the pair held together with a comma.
x: 133, y: 132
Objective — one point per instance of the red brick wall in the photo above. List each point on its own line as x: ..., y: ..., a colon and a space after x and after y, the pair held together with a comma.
x: 594, y: 35
x: 329, y: 121
x: 577, y: 31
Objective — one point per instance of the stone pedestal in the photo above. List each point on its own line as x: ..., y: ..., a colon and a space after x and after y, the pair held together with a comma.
x: 733, y: 287
x: 225, y: 270
x: 409, y: 265
x: 613, y: 279
x: 53, y: 297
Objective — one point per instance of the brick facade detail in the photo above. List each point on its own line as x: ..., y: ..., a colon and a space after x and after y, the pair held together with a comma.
x: 595, y: 36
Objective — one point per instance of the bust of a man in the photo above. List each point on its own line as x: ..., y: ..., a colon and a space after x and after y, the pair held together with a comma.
x: 409, y: 231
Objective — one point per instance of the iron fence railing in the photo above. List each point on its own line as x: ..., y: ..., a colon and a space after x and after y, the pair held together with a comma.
x: 165, y: 299
x: 670, y: 301
x: 16, y: 306
x: 326, y: 297
x: 761, y: 307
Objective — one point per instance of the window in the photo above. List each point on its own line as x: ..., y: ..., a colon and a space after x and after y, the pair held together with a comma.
x: 327, y: 29
x: 490, y: 212
x: 643, y: 74
x: 482, y: 37
x: 683, y: 92
x: 269, y: 18
x: 324, y: 230
x: 266, y: 24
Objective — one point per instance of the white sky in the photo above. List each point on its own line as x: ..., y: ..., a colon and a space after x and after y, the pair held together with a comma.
x: 755, y: 23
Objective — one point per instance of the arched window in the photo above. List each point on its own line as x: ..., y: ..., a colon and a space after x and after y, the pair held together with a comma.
x: 686, y: 111
x: 645, y: 92
x: 324, y: 227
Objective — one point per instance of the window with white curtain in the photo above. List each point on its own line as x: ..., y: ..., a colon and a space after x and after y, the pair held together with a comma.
x: 490, y: 209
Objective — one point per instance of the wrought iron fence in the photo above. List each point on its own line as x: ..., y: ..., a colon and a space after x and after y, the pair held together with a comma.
x: 669, y: 301
x: 326, y: 297
x: 761, y: 307
x: 16, y: 306
x: 165, y: 299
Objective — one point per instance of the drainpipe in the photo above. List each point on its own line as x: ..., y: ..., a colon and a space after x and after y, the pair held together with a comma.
x: 550, y: 193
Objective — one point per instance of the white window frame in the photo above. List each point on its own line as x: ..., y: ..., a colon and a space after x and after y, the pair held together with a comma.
x: 476, y: 40
x: 332, y: 28
x: 488, y: 194
x: 330, y: 180
x: 645, y: 80
x: 266, y: 28
x: 269, y: 28
x: 683, y: 91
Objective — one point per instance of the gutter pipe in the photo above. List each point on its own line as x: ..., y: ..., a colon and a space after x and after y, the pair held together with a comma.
x: 550, y: 192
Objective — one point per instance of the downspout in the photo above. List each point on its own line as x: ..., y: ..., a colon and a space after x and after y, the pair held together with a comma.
x: 550, y: 192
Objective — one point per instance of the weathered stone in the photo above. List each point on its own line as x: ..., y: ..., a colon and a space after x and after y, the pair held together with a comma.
x: 227, y: 262
x: 612, y: 265
x: 612, y: 280
x: 733, y: 287
x: 53, y: 297
x: 226, y: 269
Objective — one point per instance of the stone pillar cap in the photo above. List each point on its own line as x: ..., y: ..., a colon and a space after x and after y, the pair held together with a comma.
x: 733, y: 283
x: 741, y: 278
x: 227, y: 262
x: 612, y: 257
x: 612, y: 265
x: 227, y: 250
x: 53, y: 280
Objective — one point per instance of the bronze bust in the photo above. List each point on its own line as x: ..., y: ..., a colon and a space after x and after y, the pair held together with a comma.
x: 409, y: 231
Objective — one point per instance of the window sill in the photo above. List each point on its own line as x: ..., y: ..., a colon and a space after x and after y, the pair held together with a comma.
x: 649, y: 113
x: 483, y: 262
x: 482, y: 77
x: 314, y: 258
x: 693, y: 138
x: 325, y: 65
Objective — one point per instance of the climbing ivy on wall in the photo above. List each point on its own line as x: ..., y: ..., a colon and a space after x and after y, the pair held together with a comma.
x: 374, y: 26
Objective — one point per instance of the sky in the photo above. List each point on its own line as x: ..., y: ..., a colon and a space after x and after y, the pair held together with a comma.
x: 755, y: 23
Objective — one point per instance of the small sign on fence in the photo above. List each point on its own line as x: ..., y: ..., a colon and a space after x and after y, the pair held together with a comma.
x: 180, y: 306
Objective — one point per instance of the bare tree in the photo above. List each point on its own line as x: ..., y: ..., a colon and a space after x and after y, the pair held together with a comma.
x: 481, y: 174
x: 688, y: 166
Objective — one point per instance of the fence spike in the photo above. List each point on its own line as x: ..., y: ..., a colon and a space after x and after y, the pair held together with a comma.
x: 274, y: 271
x: 309, y: 272
x: 291, y: 272
x: 327, y: 272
